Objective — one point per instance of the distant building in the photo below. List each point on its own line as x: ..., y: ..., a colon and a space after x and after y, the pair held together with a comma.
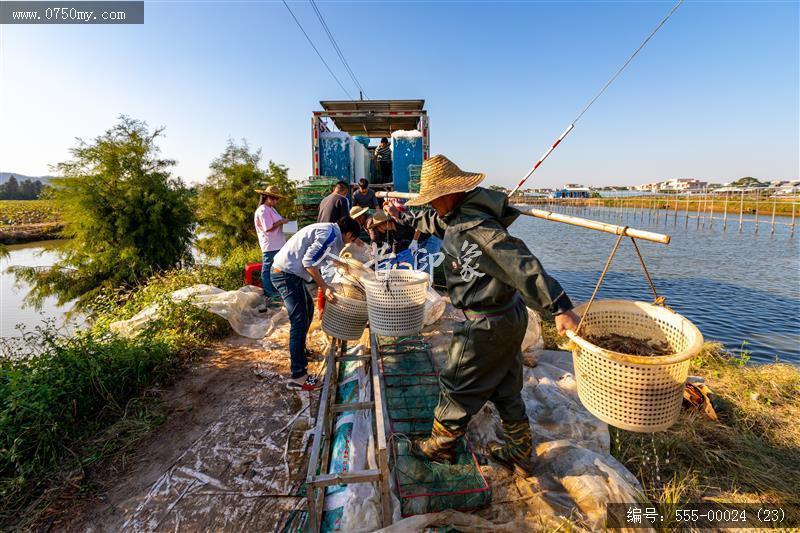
x: 571, y: 190
x: 674, y: 184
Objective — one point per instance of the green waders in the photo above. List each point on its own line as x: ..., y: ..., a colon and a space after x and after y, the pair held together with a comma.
x: 484, y: 363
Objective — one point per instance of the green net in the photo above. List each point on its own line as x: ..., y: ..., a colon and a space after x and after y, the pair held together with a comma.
x: 412, y: 393
x: 410, y: 401
x: 425, y: 487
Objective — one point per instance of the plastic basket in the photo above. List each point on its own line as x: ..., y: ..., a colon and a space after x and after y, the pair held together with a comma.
x: 396, y: 302
x: 345, y: 319
x: 635, y: 393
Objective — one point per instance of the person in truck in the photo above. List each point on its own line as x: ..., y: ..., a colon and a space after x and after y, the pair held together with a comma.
x: 383, y: 161
x: 491, y: 276
x: 334, y: 206
x: 364, y: 196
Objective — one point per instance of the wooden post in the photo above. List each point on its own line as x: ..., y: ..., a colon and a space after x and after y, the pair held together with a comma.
x: 701, y: 209
x: 655, y: 206
x: 641, y: 208
x: 794, y: 203
x: 686, y: 226
x: 758, y: 193
x: 772, y: 224
x: 741, y: 212
x: 711, y: 218
x: 675, y: 212
x: 725, y: 213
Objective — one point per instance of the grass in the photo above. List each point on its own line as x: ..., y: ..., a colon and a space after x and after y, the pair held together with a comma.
x: 69, y: 402
x: 59, y: 393
x: 750, y: 455
x: 23, y: 212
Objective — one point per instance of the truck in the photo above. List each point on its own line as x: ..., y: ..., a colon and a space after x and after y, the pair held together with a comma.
x: 345, y: 134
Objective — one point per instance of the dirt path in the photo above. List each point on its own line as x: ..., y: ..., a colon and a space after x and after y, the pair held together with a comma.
x: 231, y: 454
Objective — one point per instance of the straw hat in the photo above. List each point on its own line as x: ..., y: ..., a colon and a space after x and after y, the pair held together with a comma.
x: 271, y: 191
x: 377, y: 219
x: 440, y: 176
x: 356, y: 211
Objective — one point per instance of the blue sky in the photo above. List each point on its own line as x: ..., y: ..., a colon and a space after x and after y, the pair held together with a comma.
x: 714, y: 95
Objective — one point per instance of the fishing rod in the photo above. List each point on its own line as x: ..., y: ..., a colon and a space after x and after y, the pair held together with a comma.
x: 593, y: 100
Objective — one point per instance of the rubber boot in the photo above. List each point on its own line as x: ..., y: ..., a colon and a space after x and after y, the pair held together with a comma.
x: 515, y: 454
x: 440, y: 447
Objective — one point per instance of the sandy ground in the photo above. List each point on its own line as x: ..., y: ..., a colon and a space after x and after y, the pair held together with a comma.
x: 231, y: 454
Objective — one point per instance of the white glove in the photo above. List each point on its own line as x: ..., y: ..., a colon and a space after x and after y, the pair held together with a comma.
x: 414, y: 246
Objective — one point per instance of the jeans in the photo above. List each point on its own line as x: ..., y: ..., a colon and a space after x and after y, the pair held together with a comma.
x: 300, y: 307
x: 266, y: 268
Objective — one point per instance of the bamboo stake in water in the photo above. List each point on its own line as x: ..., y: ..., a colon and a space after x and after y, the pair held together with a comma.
x: 655, y: 205
x: 772, y: 224
x: 675, y: 213
x: 700, y: 209
x: 758, y: 193
x: 686, y: 226
x: 711, y: 218
x: 725, y: 214
x: 741, y: 212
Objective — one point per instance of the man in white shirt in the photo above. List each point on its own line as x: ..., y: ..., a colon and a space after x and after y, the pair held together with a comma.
x: 269, y: 228
x: 297, y: 264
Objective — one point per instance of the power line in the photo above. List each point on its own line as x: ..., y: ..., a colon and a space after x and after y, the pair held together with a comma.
x: 593, y: 100
x: 317, y: 51
x: 336, y: 47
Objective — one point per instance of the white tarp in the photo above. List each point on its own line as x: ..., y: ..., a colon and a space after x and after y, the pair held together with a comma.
x: 239, y: 308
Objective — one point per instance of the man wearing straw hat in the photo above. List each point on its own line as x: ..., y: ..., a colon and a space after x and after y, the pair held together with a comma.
x: 269, y: 228
x: 491, y: 276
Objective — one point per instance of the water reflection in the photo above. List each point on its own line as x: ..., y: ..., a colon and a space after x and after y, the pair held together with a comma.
x: 12, y: 294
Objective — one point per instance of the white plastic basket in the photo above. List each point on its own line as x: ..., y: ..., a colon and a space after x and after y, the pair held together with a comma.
x: 635, y: 393
x: 345, y: 319
x: 396, y: 302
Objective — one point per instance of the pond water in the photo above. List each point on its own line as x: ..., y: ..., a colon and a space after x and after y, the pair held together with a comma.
x: 736, y: 287
x: 13, y: 312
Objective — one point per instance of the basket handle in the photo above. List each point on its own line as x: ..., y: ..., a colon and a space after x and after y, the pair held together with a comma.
x: 658, y: 300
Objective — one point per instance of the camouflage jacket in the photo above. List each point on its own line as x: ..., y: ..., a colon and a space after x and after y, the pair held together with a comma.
x: 484, y: 265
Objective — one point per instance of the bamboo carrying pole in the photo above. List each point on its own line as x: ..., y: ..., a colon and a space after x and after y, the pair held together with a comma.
x: 567, y: 219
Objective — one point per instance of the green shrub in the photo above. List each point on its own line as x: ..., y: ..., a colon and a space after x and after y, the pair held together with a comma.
x: 124, y: 213
x: 230, y: 274
x: 181, y: 325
